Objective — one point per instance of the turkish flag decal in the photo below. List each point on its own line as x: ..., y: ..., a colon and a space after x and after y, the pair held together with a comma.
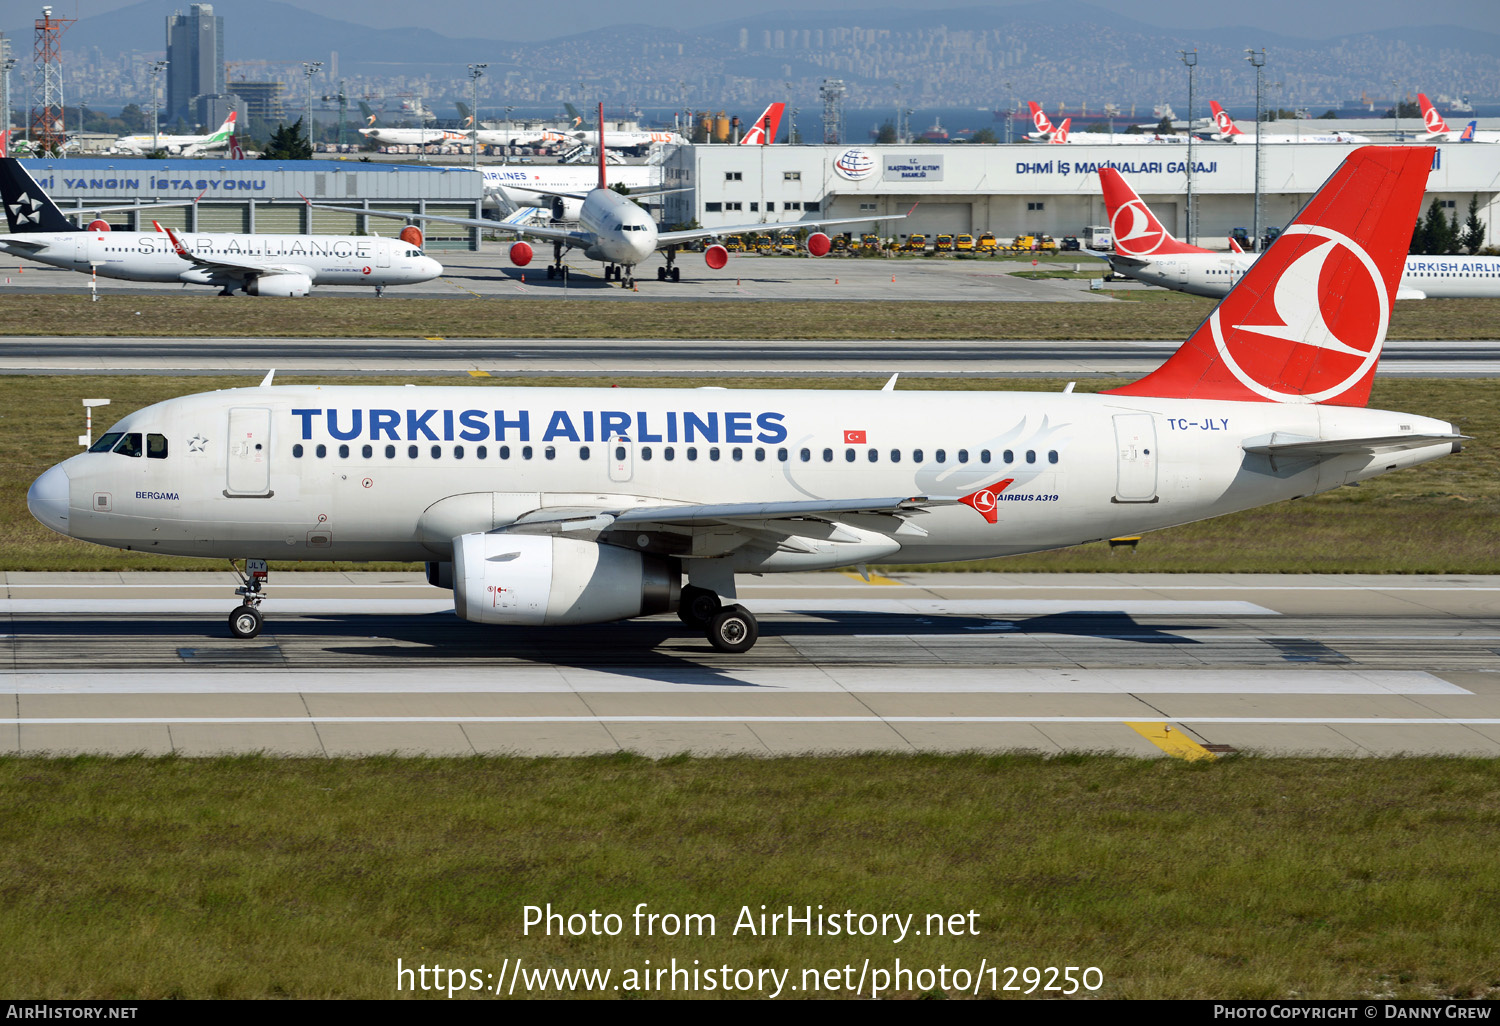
x: 854, y: 438
x: 985, y: 500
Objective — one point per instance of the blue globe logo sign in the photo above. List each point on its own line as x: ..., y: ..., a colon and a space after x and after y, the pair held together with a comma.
x: 855, y: 164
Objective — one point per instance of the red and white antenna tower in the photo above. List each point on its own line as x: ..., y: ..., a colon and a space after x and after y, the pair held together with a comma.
x: 47, y: 133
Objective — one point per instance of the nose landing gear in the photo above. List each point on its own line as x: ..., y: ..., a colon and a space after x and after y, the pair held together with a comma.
x: 245, y: 622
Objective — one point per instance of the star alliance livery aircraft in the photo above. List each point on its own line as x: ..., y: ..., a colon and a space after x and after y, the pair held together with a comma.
x: 541, y: 506
x: 259, y: 265
x: 1147, y: 252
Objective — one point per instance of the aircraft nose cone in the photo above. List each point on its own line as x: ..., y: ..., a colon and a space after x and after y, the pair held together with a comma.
x: 48, y: 499
x: 430, y: 267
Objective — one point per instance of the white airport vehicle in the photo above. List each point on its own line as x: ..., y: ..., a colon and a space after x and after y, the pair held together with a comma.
x: 1231, y: 133
x: 541, y: 506
x: 617, y: 232
x: 1146, y: 251
x: 178, y: 145
x: 258, y: 265
x: 1438, y: 130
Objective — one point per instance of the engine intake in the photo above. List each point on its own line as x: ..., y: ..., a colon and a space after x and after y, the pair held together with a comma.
x: 546, y: 579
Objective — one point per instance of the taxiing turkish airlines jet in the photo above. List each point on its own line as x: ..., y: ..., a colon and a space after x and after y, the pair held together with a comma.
x: 1230, y: 132
x: 259, y: 265
x: 619, y: 233
x: 545, y: 506
x: 1438, y: 130
x: 1146, y: 251
x: 178, y: 145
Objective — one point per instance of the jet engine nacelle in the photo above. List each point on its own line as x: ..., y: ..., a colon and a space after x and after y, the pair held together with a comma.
x: 520, y: 254
x: 819, y: 244
x: 716, y: 256
x: 547, y: 579
x: 97, y: 225
x: 565, y: 208
x: 279, y: 285
x: 411, y: 235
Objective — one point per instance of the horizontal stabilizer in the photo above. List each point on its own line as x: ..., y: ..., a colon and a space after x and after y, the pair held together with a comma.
x: 1287, y: 446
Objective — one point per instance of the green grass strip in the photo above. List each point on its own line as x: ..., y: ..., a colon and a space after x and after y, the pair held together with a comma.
x: 260, y: 877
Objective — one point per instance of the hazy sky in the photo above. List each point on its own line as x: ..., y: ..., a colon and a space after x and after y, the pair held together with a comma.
x: 503, y: 19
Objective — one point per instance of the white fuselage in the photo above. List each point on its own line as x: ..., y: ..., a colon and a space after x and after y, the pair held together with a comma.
x: 417, y: 136
x: 622, y: 232
x: 1214, y: 274
x: 1122, y: 139
x: 523, y: 183
x: 1248, y: 139
x: 150, y: 256
x: 363, y: 472
x: 169, y: 143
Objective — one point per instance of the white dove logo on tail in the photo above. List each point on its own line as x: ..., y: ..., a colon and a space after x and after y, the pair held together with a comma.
x: 1298, y: 303
x: 1140, y: 236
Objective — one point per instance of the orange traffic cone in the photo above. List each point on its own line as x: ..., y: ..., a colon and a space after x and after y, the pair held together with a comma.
x: 835, y: 281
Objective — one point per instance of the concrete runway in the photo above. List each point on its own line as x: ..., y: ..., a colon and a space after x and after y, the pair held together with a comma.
x: 1139, y: 664
x: 872, y: 358
x: 488, y: 273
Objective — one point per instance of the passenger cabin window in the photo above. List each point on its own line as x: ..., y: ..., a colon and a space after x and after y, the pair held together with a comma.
x: 130, y: 444
x: 106, y: 443
x: 156, y: 447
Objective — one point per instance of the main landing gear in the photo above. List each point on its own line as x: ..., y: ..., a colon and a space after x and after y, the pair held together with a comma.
x: 671, y: 272
x: 245, y: 622
x: 557, y: 269
x: 729, y: 628
x: 620, y: 274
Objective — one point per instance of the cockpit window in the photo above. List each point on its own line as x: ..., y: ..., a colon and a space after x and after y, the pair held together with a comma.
x: 107, y: 442
x: 130, y: 445
x: 156, y: 447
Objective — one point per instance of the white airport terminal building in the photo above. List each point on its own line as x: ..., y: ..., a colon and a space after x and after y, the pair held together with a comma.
x: 1034, y: 188
x: 1008, y: 190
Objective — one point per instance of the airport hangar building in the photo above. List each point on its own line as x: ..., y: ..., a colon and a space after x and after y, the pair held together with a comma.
x: 1022, y: 189
x: 1005, y: 189
x: 267, y: 196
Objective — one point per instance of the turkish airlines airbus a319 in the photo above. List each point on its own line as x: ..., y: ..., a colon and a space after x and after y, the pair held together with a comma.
x: 541, y: 506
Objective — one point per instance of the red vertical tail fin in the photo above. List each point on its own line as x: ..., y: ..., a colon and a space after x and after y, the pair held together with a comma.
x: 763, y: 132
x: 1039, y: 118
x: 1060, y: 135
x: 1307, y: 321
x: 1134, y: 228
x: 1430, y: 116
x: 1223, y: 120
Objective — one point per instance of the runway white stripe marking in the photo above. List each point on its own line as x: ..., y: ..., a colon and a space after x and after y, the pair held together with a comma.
x: 529, y: 679
x: 925, y: 586
x: 416, y: 607
x: 1348, y: 721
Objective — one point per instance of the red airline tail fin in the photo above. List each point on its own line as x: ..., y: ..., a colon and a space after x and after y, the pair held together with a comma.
x: 1223, y: 120
x: 1306, y: 322
x: 763, y: 132
x: 1039, y: 118
x: 4, y: 140
x: 1134, y: 228
x: 1234, y: 245
x: 601, y: 146
x: 1060, y: 135
x: 1430, y: 117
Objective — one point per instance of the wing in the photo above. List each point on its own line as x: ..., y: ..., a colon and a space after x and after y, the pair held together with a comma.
x: 693, y: 234
x: 126, y: 206
x: 242, y: 268
x: 484, y: 224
